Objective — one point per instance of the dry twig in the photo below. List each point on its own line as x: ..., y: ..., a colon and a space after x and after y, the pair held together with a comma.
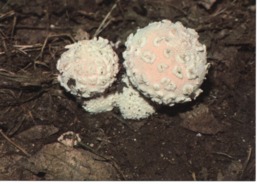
x: 223, y: 154
x: 104, y: 24
x: 193, y: 175
x: 52, y: 36
x: 7, y: 14
x: 14, y: 144
x: 13, y: 26
x: 249, y: 154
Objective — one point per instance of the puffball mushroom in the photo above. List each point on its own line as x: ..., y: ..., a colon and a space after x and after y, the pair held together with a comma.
x: 166, y: 62
x: 88, y: 67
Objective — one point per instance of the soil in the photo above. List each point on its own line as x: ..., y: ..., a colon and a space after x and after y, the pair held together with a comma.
x: 211, y: 138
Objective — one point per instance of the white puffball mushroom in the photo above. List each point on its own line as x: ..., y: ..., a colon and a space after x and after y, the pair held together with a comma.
x: 166, y: 62
x: 101, y: 104
x: 132, y: 105
x: 88, y: 67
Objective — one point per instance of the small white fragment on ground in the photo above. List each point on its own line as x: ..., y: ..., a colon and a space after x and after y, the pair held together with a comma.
x: 70, y: 139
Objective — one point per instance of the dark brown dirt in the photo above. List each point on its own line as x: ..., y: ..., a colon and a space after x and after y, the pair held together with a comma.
x: 212, y: 138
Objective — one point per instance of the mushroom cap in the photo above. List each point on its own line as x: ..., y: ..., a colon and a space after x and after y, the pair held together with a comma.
x: 166, y: 62
x: 88, y: 67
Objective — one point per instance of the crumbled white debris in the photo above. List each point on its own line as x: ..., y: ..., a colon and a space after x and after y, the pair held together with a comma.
x: 69, y: 139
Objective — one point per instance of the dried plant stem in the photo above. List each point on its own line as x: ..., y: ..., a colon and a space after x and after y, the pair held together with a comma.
x: 249, y: 153
x: 223, y: 154
x: 7, y: 14
x: 13, y: 26
x: 193, y: 175
x: 14, y: 144
x: 49, y: 37
x: 103, y: 24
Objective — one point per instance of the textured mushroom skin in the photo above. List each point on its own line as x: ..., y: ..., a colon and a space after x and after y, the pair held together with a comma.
x: 101, y: 104
x: 88, y: 67
x: 131, y: 104
x: 166, y: 62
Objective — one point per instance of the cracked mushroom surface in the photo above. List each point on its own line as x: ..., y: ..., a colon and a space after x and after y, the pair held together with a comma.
x: 166, y: 62
x: 88, y: 67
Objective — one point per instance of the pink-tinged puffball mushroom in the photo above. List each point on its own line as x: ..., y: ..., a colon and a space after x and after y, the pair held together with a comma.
x: 88, y: 67
x: 166, y: 62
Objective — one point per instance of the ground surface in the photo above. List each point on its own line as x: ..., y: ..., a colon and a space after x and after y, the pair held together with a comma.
x: 212, y: 138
